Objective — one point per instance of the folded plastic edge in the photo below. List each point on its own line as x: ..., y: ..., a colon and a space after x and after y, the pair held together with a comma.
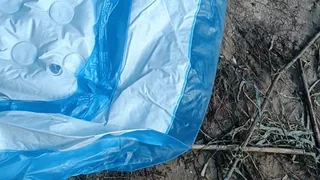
x: 140, y: 149
x: 124, y: 152
x: 204, y: 54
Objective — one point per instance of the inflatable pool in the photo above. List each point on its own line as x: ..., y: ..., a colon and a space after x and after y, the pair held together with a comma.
x: 92, y: 85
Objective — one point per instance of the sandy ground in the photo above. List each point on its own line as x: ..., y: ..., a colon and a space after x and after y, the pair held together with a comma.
x: 261, y: 36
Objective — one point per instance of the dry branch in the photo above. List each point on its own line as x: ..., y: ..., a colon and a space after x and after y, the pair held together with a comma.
x: 265, y: 101
x: 308, y: 100
x: 253, y: 149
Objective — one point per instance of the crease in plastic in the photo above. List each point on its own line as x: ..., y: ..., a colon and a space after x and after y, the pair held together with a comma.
x: 126, y: 150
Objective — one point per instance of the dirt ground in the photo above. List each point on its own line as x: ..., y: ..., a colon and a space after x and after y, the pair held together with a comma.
x: 261, y: 36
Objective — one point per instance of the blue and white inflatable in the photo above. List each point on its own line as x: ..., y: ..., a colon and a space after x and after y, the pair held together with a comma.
x: 92, y: 85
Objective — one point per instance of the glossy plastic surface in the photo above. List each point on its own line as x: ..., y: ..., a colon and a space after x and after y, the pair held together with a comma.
x: 92, y: 85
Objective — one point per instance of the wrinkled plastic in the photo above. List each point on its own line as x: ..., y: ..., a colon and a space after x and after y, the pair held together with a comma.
x: 92, y: 85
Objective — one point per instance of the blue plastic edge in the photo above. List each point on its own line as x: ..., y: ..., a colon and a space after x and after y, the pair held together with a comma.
x: 139, y: 149
x: 188, y: 69
x: 126, y: 152
x: 204, y: 58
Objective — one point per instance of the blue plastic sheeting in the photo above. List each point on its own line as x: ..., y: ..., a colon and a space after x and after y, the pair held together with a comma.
x: 93, y: 85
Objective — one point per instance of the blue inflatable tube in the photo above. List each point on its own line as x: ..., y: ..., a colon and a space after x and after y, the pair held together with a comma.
x: 93, y: 85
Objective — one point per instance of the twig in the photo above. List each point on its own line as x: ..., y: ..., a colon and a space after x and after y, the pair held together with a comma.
x: 205, y: 134
x: 256, y: 167
x: 315, y: 94
x: 313, y: 86
x: 239, y: 172
x: 253, y: 149
x: 312, y: 115
x: 265, y: 101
